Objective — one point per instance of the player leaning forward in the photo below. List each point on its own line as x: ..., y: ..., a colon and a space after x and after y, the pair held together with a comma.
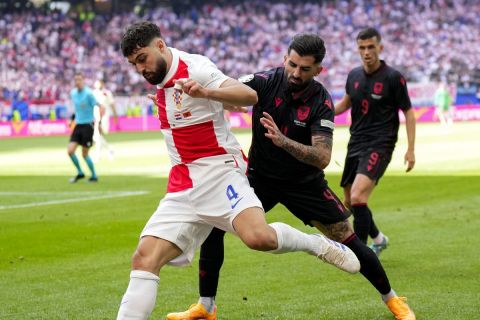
x: 207, y: 186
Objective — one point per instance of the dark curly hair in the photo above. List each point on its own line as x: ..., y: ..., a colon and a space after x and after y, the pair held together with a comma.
x: 307, y: 44
x: 138, y: 35
x: 369, y: 33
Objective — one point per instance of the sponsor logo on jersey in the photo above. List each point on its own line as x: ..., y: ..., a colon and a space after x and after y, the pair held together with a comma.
x: 303, y: 112
x: 327, y: 124
x: 299, y: 123
x: 376, y: 96
x: 246, y: 78
x: 378, y: 87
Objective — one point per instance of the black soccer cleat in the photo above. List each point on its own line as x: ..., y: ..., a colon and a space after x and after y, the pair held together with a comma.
x: 77, y: 177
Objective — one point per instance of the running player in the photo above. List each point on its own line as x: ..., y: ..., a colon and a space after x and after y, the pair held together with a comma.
x: 102, y: 118
x: 375, y: 92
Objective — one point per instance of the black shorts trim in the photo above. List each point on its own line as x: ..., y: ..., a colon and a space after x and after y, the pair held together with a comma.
x: 83, y: 134
x: 312, y: 200
x: 372, y: 162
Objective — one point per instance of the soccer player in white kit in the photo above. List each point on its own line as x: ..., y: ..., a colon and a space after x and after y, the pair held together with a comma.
x: 102, y: 112
x: 207, y: 185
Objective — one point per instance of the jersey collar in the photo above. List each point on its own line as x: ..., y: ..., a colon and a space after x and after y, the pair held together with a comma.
x: 383, y: 64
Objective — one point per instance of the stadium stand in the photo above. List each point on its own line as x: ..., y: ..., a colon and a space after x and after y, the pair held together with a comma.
x: 427, y: 40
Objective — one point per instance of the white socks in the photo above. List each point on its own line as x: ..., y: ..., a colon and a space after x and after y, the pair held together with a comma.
x: 290, y: 239
x: 139, y: 299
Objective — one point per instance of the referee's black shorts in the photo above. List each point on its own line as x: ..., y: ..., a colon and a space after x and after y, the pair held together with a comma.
x: 312, y: 200
x: 83, y: 134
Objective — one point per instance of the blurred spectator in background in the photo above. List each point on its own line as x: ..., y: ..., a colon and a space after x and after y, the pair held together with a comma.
x: 427, y: 39
x: 443, y: 102
x: 103, y: 111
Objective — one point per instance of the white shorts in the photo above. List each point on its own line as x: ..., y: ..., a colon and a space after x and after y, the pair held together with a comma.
x: 220, y: 192
x: 105, y: 120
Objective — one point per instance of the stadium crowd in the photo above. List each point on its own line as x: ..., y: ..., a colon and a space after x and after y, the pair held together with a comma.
x: 426, y: 40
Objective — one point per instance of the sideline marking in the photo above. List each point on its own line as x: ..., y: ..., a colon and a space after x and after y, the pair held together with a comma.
x: 91, y: 196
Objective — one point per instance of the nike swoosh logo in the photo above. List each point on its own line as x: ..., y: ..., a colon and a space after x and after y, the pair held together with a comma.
x: 235, y: 204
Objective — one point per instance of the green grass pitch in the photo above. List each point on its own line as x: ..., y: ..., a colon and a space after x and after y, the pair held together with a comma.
x: 65, y: 249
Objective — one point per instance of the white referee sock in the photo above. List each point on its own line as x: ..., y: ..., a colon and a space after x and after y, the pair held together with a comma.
x: 139, y: 299
x: 290, y: 239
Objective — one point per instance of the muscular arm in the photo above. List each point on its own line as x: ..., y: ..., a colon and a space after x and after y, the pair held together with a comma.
x: 318, y: 154
x: 231, y: 92
x: 343, y: 105
x: 410, y: 126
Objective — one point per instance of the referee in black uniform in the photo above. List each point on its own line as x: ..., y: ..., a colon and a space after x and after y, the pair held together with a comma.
x: 375, y: 92
x: 291, y: 145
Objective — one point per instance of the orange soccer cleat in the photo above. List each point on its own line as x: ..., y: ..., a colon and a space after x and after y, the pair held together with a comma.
x: 400, y: 308
x: 195, y: 312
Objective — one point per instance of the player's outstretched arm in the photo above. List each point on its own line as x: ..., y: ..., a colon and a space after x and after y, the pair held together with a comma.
x: 317, y: 155
x: 235, y: 108
x: 231, y: 92
x: 343, y: 105
x: 410, y: 126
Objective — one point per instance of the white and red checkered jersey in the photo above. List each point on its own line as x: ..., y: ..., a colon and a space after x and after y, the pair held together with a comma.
x: 193, y: 128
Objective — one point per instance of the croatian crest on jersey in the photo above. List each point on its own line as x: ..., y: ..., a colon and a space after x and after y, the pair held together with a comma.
x: 302, y: 112
x: 378, y: 87
x: 356, y: 84
x: 177, y: 97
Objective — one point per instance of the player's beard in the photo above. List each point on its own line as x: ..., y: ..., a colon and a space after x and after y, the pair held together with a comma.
x: 159, y: 74
x: 296, y: 87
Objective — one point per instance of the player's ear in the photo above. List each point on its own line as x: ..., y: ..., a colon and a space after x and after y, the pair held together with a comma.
x: 319, y: 69
x: 381, y: 48
x: 285, y: 58
x: 160, y: 44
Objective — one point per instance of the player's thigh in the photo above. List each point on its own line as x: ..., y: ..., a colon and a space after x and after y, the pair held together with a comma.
x: 267, y: 192
x: 176, y: 221
x: 153, y: 253
x: 251, y: 227
x: 349, y: 170
x: 314, y: 201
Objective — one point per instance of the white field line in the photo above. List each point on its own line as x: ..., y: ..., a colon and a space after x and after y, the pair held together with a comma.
x: 91, y: 196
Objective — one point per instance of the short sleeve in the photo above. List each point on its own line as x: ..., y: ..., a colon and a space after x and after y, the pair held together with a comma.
x: 400, y: 92
x: 323, y: 121
x: 207, y: 74
x: 257, y: 81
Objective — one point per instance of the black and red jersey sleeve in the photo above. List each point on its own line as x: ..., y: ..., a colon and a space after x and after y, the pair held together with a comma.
x: 323, y: 120
x: 257, y: 81
x: 400, y: 91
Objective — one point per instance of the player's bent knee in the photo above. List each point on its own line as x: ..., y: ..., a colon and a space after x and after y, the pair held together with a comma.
x: 260, y: 241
